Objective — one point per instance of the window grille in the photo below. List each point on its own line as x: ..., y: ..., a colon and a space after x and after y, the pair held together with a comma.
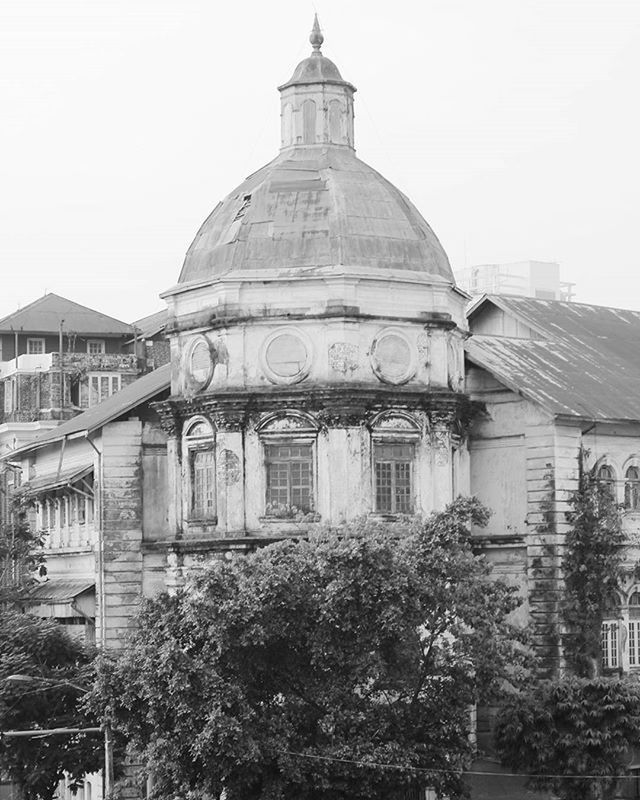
x: 289, y: 477
x: 632, y: 489
x: 35, y: 346
x: 609, y: 638
x: 204, y: 488
x: 393, y: 477
x: 102, y: 386
x: 199, y: 446
x: 634, y: 631
x: 606, y: 479
x: 95, y: 347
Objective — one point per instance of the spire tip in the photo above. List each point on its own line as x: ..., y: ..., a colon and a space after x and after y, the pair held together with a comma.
x: 316, y: 38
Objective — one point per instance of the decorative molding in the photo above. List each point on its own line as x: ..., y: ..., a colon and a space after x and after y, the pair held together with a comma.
x: 343, y: 357
x: 395, y: 419
x: 229, y: 467
x: 170, y: 421
x: 285, y: 422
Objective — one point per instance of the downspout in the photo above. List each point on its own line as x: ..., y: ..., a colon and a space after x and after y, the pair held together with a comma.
x: 98, y: 514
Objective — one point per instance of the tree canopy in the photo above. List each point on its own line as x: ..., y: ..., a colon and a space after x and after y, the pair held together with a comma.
x: 61, y: 666
x: 306, y: 668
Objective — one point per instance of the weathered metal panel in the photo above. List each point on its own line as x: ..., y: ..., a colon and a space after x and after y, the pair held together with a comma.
x: 315, y: 212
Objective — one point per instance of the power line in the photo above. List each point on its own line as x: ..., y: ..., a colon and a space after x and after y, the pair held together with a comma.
x: 432, y: 770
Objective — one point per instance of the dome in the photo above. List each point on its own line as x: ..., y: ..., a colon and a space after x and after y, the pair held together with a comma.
x: 314, y: 207
x: 315, y: 69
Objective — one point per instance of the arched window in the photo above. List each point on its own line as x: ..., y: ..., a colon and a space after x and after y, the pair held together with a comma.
x: 335, y: 122
x: 610, y: 633
x: 309, y: 122
x: 632, y: 489
x: 201, y: 477
x: 289, y: 443
x: 394, y: 438
x: 607, y: 480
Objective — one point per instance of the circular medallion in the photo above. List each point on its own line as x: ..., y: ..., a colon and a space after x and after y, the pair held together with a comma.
x: 286, y: 356
x: 200, y: 363
x: 392, y: 358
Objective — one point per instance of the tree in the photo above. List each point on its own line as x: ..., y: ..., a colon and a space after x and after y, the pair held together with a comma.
x: 61, y: 666
x: 301, y: 670
x: 580, y: 724
x: 20, y: 554
x: 573, y: 727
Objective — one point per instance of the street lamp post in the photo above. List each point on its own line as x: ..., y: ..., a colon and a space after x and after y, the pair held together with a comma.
x: 38, y: 732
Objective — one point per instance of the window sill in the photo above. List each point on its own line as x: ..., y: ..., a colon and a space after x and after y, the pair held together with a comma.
x: 202, y: 525
x: 306, y: 519
x: 384, y: 516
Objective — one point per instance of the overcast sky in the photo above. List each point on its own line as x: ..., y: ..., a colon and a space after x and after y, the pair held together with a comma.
x: 513, y: 125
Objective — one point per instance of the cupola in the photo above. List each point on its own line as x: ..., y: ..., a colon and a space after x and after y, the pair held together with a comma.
x: 317, y: 104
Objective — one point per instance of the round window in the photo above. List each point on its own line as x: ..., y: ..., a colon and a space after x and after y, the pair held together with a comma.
x: 392, y: 358
x: 286, y: 355
x: 200, y: 363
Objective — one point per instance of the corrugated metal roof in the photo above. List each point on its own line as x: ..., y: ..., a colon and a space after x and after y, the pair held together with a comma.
x: 565, y: 377
x: 312, y: 208
x: 55, y: 480
x: 150, y: 326
x: 60, y: 590
x: 45, y: 313
x: 120, y: 403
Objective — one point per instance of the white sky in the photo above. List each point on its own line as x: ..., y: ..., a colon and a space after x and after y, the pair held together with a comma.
x: 513, y: 125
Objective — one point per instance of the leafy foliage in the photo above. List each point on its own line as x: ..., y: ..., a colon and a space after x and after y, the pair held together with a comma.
x: 581, y: 724
x: 297, y: 671
x: 574, y: 726
x: 20, y: 554
x: 592, y: 569
x: 61, y: 667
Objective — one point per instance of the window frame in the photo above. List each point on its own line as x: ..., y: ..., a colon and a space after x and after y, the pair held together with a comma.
x: 632, y: 489
x: 192, y: 445
x: 41, y: 342
x: 289, y: 429
x: 98, y: 377
x: 101, y: 345
x: 409, y: 460
x: 397, y: 429
x: 286, y: 510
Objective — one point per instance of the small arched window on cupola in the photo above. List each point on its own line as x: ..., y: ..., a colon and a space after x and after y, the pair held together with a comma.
x: 632, y: 488
x: 309, y: 122
x: 199, y: 455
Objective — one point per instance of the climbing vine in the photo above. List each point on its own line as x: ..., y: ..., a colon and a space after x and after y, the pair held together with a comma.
x: 592, y: 567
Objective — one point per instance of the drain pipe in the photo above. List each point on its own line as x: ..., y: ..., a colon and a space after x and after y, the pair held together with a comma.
x: 98, y: 520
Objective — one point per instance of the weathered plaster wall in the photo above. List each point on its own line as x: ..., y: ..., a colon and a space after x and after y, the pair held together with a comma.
x: 121, y: 498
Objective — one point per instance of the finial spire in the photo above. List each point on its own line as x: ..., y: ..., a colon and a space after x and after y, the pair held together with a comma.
x: 316, y: 38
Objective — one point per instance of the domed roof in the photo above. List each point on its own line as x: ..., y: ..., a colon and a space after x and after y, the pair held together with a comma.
x: 315, y: 69
x: 315, y: 207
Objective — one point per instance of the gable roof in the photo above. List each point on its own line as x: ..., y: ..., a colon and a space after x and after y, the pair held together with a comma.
x: 152, y: 325
x: 45, y: 313
x: 138, y: 392
x: 583, y: 362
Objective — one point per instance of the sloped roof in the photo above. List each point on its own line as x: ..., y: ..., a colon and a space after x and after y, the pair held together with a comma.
x: 120, y: 403
x: 585, y: 363
x: 151, y: 325
x: 60, y: 590
x: 45, y: 313
x: 56, y: 480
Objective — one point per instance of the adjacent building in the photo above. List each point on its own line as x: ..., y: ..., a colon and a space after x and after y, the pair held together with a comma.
x: 539, y: 279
